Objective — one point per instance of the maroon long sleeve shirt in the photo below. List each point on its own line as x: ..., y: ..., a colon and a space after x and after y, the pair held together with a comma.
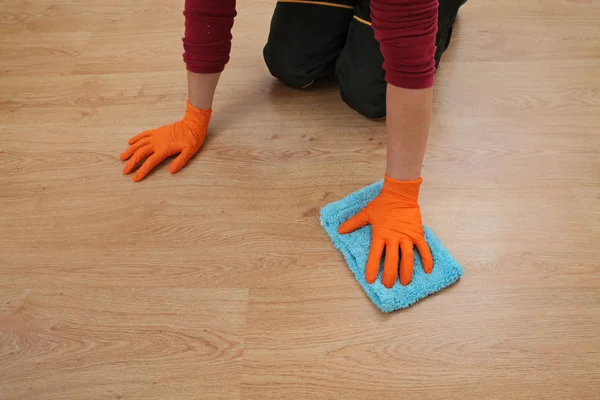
x: 405, y: 30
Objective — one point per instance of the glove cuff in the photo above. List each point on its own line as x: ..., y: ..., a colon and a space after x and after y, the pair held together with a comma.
x: 197, y: 117
x: 409, y: 190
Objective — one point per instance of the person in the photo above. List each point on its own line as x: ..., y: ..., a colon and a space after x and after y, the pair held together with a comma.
x: 383, y: 53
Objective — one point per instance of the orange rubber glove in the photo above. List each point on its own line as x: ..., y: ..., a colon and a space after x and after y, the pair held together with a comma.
x: 183, y: 137
x: 395, y: 219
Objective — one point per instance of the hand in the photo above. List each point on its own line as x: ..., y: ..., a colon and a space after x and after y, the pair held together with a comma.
x: 395, y: 219
x: 183, y: 137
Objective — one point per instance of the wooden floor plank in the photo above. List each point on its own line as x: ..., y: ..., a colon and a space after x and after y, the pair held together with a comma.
x: 121, y: 343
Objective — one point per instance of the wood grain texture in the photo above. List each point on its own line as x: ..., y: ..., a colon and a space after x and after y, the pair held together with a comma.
x: 218, y: 282
x: 122, y: 343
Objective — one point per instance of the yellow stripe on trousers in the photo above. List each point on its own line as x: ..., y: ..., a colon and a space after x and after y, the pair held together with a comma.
x: 318, y: 3
x: 359, y: 19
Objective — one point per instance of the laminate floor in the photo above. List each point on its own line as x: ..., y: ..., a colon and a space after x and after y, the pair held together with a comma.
x: 218, y: 282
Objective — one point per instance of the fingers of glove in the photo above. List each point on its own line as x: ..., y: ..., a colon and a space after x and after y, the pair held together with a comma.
x: 133, y: 148
x: 181, y: 160
x: 406, y: 262
x: 357, y: 221
x: 148, y: 166
x: 139, y: 136
x: 137, y: 158
x: 390, y: 266
x: 425, y: 254
x: 374, y: 260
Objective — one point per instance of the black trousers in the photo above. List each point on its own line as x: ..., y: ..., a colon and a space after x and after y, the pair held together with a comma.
x: 311, y: 40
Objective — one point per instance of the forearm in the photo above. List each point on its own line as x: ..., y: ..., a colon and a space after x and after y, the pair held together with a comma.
x: 408, y: 122
x: 406, y: 31
x: 207, y: 43
x: 201, y: 89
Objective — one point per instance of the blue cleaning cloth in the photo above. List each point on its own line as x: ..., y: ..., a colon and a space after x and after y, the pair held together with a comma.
x: 355, y: 248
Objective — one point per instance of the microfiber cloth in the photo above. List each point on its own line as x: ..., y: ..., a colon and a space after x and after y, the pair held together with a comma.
x: 355, y: 248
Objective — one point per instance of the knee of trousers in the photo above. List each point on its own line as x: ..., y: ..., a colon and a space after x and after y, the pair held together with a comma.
x: 363, y: 95
x: 287, y: 66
